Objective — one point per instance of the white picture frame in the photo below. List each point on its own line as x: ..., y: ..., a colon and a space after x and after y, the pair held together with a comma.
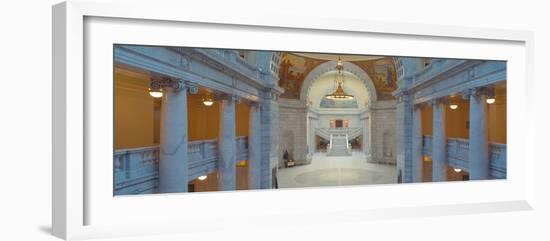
x: 76, y: 200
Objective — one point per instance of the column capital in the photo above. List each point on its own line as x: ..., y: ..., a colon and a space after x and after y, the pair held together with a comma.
x: 174, y: 84
x: 437, y: 101
x: 477, y: 92
x: 230, y: 97
x: 402, y: 96
x: 254, y: 104
x: 419, y: 106
x: 273, y: 93
x: 193, y: 88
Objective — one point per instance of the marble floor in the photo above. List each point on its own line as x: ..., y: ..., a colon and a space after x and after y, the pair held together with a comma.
x: 337, y: 171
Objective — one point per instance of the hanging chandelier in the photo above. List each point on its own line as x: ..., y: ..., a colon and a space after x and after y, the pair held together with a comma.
x: 339, y: 93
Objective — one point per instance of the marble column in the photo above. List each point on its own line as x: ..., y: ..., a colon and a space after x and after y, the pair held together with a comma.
x: 404, y: 109
x: 479, y: 144
x: 417, y: 144
x: 173, y: 164
x: 439, y: 143
x: 227, y: 148
x: 269, y: 114
x: 254, y: 148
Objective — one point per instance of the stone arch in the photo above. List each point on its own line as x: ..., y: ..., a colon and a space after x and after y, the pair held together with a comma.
x: 330, y: 66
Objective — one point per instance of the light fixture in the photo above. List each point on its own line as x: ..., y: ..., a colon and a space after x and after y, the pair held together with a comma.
x: 155, y: 89
x: 457, y: 169
x: 208, y: 100
x: 339, y: 93
x: 490, y: 95
x: 155, y: 93
x: 202, y: 178
x: 453, y: 106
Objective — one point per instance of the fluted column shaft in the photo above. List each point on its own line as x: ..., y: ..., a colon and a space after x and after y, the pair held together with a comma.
x: 417, y: 144
x: 254, y: 148
x: 227, y: 145
x: 173, y: 164
x: 479, y: 144
x: 439, y: 143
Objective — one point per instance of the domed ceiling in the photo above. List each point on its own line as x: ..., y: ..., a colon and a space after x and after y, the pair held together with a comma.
x: 294, y: 67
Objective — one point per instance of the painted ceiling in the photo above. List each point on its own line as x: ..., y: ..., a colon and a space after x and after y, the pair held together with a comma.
x: 294, y: 67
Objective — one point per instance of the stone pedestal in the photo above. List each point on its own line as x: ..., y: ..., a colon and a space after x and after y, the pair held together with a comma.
x: 254, y: 148
x: 227, y: 145
x: 173, y: 164
x: 417, y: 144
x: 439, y: 143
x: 479, y: 145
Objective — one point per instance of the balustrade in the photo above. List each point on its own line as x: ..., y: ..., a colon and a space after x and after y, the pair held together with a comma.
x: 457, y: 155
x: 136, y: 169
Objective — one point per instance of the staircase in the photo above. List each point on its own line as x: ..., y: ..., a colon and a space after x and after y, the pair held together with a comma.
x: 339, y: 146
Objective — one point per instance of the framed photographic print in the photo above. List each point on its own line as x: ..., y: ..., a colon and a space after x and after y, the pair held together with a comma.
x: 169, y: 123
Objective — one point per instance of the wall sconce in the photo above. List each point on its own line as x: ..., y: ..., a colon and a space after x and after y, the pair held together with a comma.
x: 208, y: 100
x: 202, y: 178
x: 156, y: 87
x: 453, y: 106
x: 457, y: 169
x: 490, y: 96
x: 155, y: 91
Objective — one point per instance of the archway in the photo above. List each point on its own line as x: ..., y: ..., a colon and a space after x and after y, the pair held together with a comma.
x: 330, y: 66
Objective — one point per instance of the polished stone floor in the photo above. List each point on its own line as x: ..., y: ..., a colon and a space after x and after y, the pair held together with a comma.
x: 337, y: 171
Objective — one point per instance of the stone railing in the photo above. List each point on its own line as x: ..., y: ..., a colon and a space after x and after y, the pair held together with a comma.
x: 242, y: 144
x: 203, y: 157
x: 352, y: 132
x: 458, y: 152
x: 136, y: 169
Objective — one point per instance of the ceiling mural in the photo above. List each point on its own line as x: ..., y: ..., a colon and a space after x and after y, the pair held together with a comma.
x: 294, y: 67
x: 383, y: 75
x: 293, y: 70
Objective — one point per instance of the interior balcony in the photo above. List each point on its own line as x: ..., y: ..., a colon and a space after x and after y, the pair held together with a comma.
x: 136, y: 169
x: 457, y: 155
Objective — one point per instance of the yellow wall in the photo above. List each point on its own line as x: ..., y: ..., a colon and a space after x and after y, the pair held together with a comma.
x: 497, y: 118
x: 427, y: 120
x: 457, y: 120
x: 134, y: 112
x: 204, y: 121
x: 243, y: 117
x: 209, y: 184
x: 242, y: 177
